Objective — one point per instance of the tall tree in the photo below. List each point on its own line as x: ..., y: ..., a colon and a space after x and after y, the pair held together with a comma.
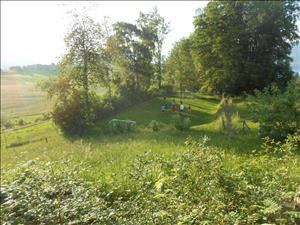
x: 108, y: 54
x: 245, y: 45
x: 80, y: 62
x: 179, y: 69
x: 134, y: 70
x: 155, y: 28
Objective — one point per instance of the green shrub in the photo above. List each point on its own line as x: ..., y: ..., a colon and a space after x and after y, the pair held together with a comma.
x: 181, y: 122
x: 8, y: 124
x: 277, y: 111
x: 154, y: 125
x: 72, y: 115
x: 21, y: 122
x: 195, y: 187
x: 51, y: 194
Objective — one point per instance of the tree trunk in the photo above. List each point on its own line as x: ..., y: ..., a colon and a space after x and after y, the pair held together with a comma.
x: 159, y: 72
x: 109, y: 93
x: 86, y: 89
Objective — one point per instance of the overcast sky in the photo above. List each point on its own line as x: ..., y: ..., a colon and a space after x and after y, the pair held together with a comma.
x: 32, y: 32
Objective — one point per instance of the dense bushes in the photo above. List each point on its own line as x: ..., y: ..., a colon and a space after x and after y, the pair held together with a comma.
x: 195, y: 187
x: 45, y: 194
x: 181, y: 122
x: 154, y: 125
x: 71, y: 113
x: 277, y: 111
x: 75, y: 109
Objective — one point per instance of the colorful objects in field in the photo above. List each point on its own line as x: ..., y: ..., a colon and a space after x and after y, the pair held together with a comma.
x: 163, y: 108
x: 181, y: 106
x: 173, y: 105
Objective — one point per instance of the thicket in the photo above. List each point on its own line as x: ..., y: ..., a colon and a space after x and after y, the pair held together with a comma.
x: 277, y: 110
x: 195, y: 187
x: 70, y: 113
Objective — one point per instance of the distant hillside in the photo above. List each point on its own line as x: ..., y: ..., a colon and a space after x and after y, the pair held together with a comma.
x: 32, y: 69
x: 296, y: 58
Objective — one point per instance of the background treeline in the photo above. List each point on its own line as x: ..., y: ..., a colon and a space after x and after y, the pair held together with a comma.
x: 236, y: 47
x: 50, y: 69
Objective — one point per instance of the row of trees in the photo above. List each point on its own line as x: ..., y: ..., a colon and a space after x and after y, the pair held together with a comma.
x: 50, y: 69
x: 125, y: 58
x: 237, y: 46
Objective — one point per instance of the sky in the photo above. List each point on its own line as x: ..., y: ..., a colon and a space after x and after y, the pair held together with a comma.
x: 33, y: 31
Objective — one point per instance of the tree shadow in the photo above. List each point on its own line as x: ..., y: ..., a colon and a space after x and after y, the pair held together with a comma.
x: 243, y: 142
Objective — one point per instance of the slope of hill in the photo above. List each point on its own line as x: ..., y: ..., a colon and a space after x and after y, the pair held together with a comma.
x: 19, y: 95
x: 146, y: 171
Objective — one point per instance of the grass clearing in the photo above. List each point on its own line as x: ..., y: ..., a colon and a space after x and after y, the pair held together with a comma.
x: 111, y: 154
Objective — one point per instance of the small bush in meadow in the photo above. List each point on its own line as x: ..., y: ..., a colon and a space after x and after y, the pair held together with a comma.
x: 181, y: 122
x: 154, y: 125
x: 8, y: 124
x: 21, y: 122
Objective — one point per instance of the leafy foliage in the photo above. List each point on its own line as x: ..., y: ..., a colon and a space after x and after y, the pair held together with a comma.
x: 195, y: 187
x: 277, y: 111
x: 180, y: 70
x: 245, y: 45
x: 46, y: 194
x: 154, y: 125
x: 155, y: 28
x: 181, y: 122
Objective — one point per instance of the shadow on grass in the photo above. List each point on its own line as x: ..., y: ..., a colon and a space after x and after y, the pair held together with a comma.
x: 242, y: 142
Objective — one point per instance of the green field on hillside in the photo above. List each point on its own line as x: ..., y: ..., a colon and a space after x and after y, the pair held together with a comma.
x: 111, y: 154
x: 142, y: 171
x: 20, y: 96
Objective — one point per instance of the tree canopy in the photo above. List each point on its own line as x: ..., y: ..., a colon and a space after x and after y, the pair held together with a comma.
x: 245, y: 45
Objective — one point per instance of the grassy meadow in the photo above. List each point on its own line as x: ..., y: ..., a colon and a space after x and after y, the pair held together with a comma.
x: 111, y: 154
x: 111, y: 175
